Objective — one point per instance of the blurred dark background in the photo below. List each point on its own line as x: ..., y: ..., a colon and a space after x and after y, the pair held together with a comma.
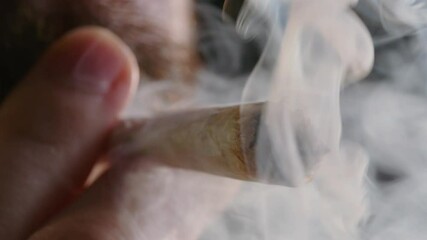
x: 220, y: 48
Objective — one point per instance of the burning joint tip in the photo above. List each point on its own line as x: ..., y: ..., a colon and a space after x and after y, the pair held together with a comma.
x: 220, y: 141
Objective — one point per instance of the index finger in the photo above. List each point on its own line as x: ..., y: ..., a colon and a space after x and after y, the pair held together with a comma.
x: 140, y: 200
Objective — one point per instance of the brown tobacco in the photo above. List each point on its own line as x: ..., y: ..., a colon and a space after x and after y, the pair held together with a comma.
x: 229, y: 141
x: 218, y: 141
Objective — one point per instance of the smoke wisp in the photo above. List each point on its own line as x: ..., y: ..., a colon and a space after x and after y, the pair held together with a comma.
x: 352, y: 143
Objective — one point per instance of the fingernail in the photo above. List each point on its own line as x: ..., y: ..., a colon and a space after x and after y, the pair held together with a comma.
x: 91, y: 61
x: 99, y: 66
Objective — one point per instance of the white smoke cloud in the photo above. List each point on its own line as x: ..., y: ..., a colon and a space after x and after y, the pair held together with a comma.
x: 369, y: 183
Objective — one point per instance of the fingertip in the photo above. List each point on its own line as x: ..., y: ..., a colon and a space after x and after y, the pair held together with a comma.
x: 91, y: 61
x: 54, y: 124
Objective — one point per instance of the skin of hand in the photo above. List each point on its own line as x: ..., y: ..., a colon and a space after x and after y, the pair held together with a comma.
x: 53, y: 128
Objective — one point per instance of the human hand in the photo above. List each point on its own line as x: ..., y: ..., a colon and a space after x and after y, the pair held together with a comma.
x: 53, y: 129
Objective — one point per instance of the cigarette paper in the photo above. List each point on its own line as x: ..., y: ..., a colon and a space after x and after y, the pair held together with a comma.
x: 220, y: 141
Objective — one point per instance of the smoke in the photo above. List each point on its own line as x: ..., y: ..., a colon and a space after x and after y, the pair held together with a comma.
x: 388, y: 119
x: 313, y: 50
x: 352, y: 143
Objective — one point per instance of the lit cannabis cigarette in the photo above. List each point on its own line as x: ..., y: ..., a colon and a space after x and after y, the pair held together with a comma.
x: 220, y: 141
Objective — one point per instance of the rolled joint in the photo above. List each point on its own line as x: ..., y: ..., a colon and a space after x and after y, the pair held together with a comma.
x: 219, y: 141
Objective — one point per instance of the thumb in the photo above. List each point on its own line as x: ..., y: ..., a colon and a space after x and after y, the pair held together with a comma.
x: 53, y: 125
